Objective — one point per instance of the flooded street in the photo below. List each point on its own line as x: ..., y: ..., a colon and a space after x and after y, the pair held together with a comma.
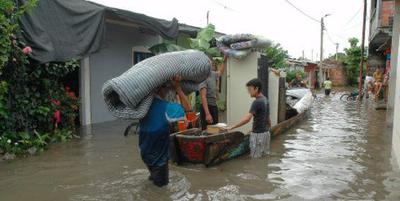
x: 341, y: 152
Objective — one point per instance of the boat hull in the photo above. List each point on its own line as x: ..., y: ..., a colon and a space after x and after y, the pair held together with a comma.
x: 208, y: 150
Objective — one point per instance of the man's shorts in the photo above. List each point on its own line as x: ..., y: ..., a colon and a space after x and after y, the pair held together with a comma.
x: 259, y: 144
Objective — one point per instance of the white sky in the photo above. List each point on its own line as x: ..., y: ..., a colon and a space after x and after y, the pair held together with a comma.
x: 274, y: 19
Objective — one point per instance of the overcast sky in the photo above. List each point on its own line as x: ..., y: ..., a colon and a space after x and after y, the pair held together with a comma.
x: 274, y: 19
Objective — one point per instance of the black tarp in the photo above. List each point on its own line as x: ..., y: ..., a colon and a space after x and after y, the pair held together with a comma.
x: 60, y: 30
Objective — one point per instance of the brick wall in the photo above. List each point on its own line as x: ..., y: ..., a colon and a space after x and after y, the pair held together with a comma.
x: 338, y: 76
x: 387, y: 13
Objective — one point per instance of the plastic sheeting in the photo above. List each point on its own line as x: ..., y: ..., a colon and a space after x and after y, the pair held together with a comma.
x: 60, y: 30
x: 305, y: 102
x: 130, y: 95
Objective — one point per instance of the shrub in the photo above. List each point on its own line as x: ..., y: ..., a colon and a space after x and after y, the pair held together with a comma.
x: 28, y: 91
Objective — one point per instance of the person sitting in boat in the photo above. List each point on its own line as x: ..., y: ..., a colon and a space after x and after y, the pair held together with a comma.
x: 259, y: 111
x: 155, y: 130
x: 208, y: 94
x: 297, y: 82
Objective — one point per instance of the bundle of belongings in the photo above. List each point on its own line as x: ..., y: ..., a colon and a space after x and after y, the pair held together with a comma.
x: 239, y: 46
x: 130, y: 95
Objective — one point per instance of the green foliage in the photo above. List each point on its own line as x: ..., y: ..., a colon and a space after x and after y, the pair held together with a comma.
x: 165, y: 47
x: 9, y: 16
x: 292, y: 74
x: 341, y: 57
x: 352, y: 61
x: 28, y: 90
x: 276, y: 55
x: 203, y: 40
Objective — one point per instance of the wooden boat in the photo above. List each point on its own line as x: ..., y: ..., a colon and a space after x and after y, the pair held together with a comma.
x: 198, y: 147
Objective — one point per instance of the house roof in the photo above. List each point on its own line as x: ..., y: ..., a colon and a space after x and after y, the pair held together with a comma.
x: 192, y: 30
x: 59, y: 30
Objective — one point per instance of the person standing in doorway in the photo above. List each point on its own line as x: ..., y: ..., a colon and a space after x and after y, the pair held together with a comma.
x: 155, y: 130
x: 327, y: 86
x: 259, y: 111
x: 208, y: 95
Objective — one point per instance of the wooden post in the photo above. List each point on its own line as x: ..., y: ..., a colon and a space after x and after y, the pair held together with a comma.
x: 282, y: 100
x: 360, y: 83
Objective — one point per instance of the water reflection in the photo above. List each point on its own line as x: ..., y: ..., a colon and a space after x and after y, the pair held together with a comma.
x: 342, y: 152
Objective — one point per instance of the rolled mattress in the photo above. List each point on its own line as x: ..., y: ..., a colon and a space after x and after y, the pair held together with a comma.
x: 130, y: 95
x: 239, y: 46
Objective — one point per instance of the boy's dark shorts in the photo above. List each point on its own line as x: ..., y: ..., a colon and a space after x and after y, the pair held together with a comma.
x: 327, y: 92
x: 159, y: 175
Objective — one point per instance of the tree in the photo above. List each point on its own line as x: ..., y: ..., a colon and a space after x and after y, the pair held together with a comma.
x: 352, y: 61
x: 340, y: 56
x: 276, y: 55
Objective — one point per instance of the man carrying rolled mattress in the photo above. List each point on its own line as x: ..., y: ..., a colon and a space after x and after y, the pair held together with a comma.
x: 155, y: 130
x: 208, y: 95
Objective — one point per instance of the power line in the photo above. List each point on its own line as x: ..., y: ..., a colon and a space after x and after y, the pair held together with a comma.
x: 329, y: 36
x: 302, y: 12
x: 354, y: 16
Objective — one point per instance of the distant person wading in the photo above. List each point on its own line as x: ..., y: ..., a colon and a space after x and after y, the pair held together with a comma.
x: 328, y: 86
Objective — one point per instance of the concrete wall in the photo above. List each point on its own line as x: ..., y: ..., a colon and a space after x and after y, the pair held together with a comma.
x: 112, y: 60
x: 395, y: 64
x: 273, y: 97
x: 238, y: 102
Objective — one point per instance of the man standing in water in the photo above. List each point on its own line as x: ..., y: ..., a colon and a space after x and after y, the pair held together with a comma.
x: 259, y: 111
x: 327, y: 86
x: 208, y: 95
x: 155, y: 130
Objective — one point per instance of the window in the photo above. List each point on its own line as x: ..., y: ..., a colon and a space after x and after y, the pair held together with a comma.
x: 140, y: 56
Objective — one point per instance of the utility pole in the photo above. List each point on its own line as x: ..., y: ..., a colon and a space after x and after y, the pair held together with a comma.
x: 208, y: 17
x: 312, y: 54
x: 321, y: 52
x: 303, y: 54
x: 360, y: 83
x: 337, y: 48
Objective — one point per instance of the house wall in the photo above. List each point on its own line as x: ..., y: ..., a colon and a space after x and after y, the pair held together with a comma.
x: 386, y: 13
x: 395, y: 64
x: 338, y: 76
x: 310, y: 69
x: 112, y: 60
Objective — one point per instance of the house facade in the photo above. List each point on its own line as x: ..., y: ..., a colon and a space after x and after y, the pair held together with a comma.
x: 126, y: 43
x: 380, y: 34
x: 393, y: 114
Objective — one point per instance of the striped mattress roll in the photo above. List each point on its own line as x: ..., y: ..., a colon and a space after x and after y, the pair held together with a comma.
x: 239, y: 46
x: 130, y: 95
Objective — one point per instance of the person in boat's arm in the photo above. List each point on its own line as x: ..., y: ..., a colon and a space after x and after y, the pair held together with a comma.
x: 155, y: 130
x: 208, y: 94
x: 259, y: 111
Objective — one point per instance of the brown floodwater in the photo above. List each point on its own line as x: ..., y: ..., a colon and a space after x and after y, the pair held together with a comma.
x: 342, y: 151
